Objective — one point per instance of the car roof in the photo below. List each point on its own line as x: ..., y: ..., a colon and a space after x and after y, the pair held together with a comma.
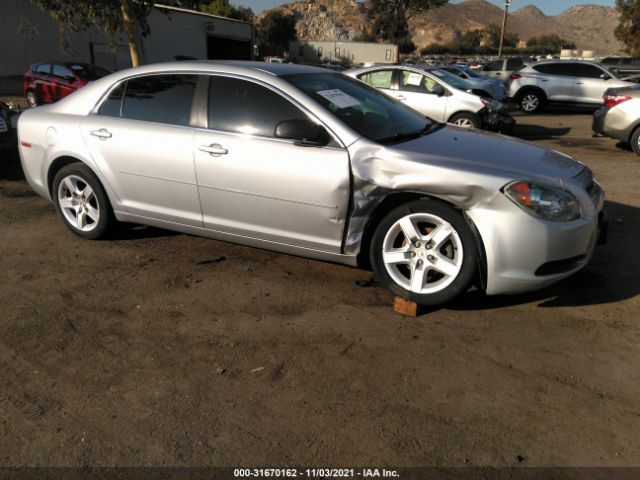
x: 238, y: 66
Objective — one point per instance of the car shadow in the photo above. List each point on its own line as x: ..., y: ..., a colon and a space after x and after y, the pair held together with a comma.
x: 537, y: 132
x: 611, y: 276
x: 133, y: 231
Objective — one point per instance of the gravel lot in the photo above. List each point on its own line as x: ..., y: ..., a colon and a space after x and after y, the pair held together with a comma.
x: 164, y: 349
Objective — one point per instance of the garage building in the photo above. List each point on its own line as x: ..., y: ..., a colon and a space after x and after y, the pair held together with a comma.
x: 29, y: 35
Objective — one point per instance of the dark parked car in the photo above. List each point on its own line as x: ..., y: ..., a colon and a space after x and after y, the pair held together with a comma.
x: 622, y: 66
x: 8, y: 122
x: 49, y: 82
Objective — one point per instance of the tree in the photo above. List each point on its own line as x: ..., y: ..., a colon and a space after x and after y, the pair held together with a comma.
x: 275, y: 32
x: 114, y: 16
x: 390, y: 17
x: 628, y: 31
x: 549, y: 43
x: 224, y: 9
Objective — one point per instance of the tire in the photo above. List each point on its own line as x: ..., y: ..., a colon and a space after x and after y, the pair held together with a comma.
x: 81, y: 202
x: 465, y: 120
x: 531, y: 101
x: 32, y: 99
x: 635, y: 141
x: 445, y: 269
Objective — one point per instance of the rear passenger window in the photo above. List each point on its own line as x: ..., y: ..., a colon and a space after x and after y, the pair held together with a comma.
x: 515, y: 64
x: 587, y: 71
x: 245, y: 107
x: 379, y: 79
x: 565, y: 69
x: 160, y: 98
x: 44, y: 68
x: 111, y: 107
x: 494, y: 66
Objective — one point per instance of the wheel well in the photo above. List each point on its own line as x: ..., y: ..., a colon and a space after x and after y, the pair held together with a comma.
x: 55, y: 167
x: 524, y: 90
x: 634, y: 129
x: 468, y: 112
x: 397, y: 199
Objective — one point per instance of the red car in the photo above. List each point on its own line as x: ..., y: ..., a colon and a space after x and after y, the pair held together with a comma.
x: 49, y: 82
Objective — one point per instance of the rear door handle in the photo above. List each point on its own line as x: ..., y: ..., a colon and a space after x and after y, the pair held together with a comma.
x: 578, y: 83
x: 102, y: 134
x: 214, y: 150
x: 401, y: 97
x: 544, y: 79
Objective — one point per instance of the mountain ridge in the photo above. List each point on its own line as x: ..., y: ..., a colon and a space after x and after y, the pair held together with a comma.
x: 589, y: 26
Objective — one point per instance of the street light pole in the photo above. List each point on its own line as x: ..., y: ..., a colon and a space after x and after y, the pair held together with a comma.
x: 507, y: 3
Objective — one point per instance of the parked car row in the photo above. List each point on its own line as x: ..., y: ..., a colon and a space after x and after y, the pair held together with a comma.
x: 439, y: 95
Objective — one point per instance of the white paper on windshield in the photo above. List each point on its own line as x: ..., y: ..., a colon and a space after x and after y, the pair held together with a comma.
x: 414, y: 79
x: 3, y: 126
x: 339, y: 98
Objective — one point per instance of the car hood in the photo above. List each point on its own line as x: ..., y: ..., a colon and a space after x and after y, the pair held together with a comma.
x: 479, y: 151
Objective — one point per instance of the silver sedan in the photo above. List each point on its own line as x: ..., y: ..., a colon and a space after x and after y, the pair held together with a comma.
x: 310, y: 162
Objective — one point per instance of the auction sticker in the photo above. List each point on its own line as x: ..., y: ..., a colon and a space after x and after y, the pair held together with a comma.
x: 339, y: 98
x: 414, y: 79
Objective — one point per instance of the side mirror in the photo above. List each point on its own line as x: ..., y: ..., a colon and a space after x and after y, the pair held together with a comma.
x: 605, y: 76
x: 304, y: 132
x: 438, y: 90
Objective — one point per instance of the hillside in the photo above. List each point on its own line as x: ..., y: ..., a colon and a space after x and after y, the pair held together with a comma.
x: 588, y: 26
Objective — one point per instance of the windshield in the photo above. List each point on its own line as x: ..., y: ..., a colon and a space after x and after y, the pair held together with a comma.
x: 451, y: 79
x: 365, y: 109
x: 88, y: 72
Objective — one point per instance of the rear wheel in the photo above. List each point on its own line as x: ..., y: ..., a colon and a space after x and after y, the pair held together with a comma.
x: 32, y: 99
x: 635, y: 141
x: 531, y: 101
x: 424, y: 251
x: 81, y: 201
x: 465, y: 119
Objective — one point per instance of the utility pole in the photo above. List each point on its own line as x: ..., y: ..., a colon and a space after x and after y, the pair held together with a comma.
x: 507, y: 3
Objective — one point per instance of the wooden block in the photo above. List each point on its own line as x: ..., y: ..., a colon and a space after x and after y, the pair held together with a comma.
x: 406, y: 307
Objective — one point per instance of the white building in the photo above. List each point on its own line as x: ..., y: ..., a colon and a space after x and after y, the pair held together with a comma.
x: 29, y: 35
x: 351, y: 52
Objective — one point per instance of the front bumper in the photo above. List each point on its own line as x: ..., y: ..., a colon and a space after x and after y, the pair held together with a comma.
x: 524, y: 253
x: 497, y: 121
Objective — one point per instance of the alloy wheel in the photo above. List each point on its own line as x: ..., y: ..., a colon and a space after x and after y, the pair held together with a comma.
x: 422, y: 253
x: 32, y: 101
x: 78, y: 203
x: 464, y: 122
x: 530, y: 102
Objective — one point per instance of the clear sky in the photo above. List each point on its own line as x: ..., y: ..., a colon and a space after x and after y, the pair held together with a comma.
x: 550, y: 7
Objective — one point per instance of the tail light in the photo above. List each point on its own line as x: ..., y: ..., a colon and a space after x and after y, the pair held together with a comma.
x: 613, y: 100
x: 515, y: 76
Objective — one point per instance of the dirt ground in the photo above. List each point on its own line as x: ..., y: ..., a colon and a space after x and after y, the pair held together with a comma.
x: 169, y: 350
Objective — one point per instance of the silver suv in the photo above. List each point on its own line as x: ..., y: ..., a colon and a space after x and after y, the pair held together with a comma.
x: 561, y: 81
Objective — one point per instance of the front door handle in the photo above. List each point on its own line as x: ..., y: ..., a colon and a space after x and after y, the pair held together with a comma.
x: 401, y: 97
x: 214, y: 150
x: 102, y: 134
x: 578, y: 83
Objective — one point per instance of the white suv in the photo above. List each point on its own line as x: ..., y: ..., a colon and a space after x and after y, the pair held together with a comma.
x: 560, y: 81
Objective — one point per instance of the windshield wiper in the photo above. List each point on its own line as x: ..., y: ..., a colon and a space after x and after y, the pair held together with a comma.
x: 403, y: 137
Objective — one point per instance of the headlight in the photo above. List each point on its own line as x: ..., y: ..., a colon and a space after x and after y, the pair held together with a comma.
x: 492, y: 104
x: 544, y: 202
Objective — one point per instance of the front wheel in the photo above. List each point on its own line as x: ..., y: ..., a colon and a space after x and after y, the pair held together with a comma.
x: 531, y: 102
x: 81, y: 201
x: 424, y: 251
x: 465, y: 119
